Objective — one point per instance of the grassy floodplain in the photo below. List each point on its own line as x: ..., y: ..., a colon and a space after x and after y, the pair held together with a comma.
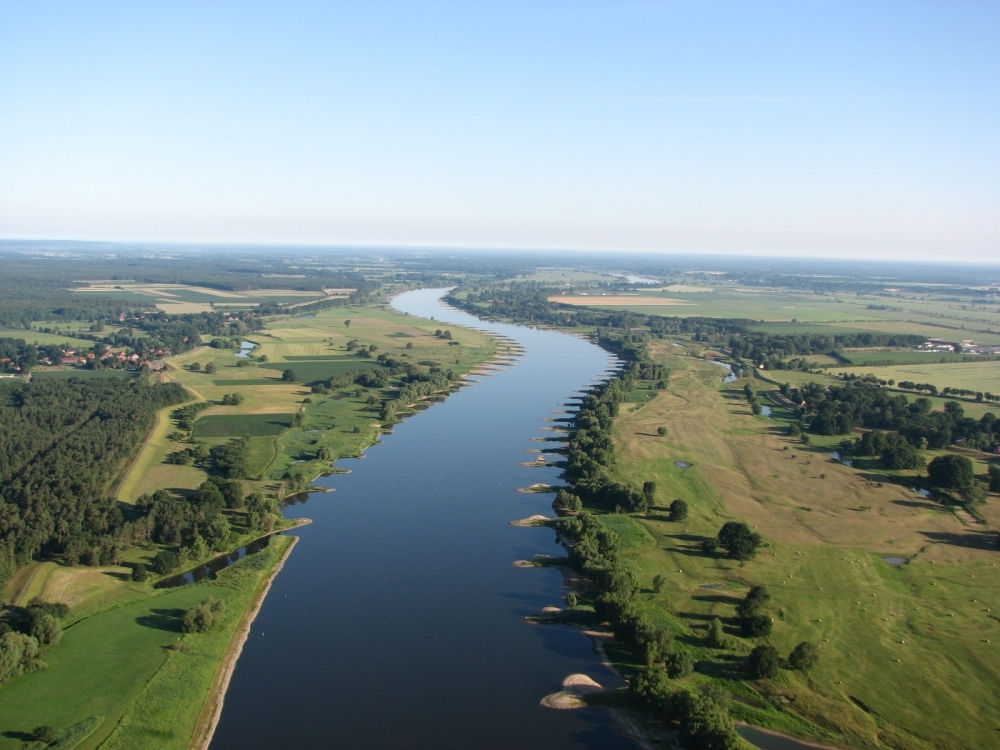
x: 314, y: 347
x: 909, y: 654
x: 113, y: 673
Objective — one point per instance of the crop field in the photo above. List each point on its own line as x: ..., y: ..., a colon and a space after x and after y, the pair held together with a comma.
x: 183, y: 298
x: 242, y: 425
x: 909, y: 643
x: 316, y: 371
x: 250, y: 381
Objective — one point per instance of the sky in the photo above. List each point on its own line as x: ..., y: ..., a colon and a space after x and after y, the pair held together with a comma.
x: 816, y: 129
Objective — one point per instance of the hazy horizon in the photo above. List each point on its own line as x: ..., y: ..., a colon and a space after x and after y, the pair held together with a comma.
x: 813, y: 130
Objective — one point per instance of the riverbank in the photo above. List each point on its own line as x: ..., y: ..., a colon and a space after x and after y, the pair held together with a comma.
x: 212, y: 709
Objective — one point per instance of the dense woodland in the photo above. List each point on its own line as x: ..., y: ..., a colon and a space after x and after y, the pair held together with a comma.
x: 61, y: 444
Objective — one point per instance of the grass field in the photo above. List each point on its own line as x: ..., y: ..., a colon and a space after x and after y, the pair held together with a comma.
x: 242, y: 425
x: 909, y: 644
x: 37, y: 337
x: 903, y: 357
x: 974, y: 376
x: 114, y: 664
x: 316, y: 371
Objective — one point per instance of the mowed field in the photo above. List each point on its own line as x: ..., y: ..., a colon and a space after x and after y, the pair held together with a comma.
x: 909, y: 654
x: 314, y: 347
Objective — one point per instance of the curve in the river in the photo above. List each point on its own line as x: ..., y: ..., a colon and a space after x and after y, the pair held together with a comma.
x: 397, y: 622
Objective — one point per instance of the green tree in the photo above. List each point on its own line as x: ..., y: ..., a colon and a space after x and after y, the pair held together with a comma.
x: 763, y: 662
x: 678, y: 510
x: 805, y: 656
x: 347, y: 323
x: 166, y: 562
x: 661, y: 431
x: 717, y: 637
x: 290, y: 376
x: 951, y: 472
x: 210, y: 368
x: 994, y: 472
x: 139, y: 573
x: 649, y: 492
x: 205, y: 616
x: 738, y: 540
x: 680, y: 664
x: 195, y: 366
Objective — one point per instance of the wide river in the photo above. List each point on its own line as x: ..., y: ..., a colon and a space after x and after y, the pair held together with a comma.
x: 396, y: 622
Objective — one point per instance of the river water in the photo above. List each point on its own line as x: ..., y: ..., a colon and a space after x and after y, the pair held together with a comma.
x: 396, y: 621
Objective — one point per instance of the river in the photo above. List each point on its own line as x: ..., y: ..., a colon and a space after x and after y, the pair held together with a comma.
x: 396, y: 621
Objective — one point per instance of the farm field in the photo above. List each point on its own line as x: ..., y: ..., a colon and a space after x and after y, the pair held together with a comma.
x: 909, y: 644
x: 905, y: 357
x: 82, y: 373
x: 242, y: 425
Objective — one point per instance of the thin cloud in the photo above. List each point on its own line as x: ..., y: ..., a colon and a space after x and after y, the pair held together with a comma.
x: 743, y: 99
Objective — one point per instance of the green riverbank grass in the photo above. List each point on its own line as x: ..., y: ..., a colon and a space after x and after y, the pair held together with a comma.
x: 117, y: 665
x: 905, y: 659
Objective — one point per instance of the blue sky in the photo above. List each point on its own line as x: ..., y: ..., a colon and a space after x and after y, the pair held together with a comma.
x: 840, y: 129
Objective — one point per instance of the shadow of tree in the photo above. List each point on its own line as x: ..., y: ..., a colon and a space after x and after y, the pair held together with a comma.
x: 22, y: 736
x: 162, y: 619
x: 728, y: 667
x: 984, y: 540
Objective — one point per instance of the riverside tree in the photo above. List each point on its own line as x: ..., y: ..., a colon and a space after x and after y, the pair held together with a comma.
x: 205, y: 616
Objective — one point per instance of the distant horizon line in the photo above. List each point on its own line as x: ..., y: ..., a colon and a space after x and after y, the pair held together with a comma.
x: 428, y: 247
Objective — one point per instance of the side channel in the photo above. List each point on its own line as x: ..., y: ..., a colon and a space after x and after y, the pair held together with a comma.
x: 396, y: 622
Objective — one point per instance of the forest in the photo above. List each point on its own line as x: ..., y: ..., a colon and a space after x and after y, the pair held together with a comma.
x: 61, y: 445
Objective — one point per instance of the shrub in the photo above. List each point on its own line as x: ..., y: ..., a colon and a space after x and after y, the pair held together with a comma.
x: 678, y: 510
x: 572, y: 599
x: 139, y: 573
x: 661, y: 431
x: 289, y: 376
x: 805, y: 656
x: 210, y: 368
x: 205, y: 616
x: 763, y: 663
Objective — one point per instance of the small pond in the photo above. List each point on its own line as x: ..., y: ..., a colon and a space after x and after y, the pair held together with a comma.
x: 245, y: 348
x: 835, y: 455
x: 209, y: 569
x: 682, y: 464
x: 731, y: 376
x: 895, y: 561
x: 766, y: 411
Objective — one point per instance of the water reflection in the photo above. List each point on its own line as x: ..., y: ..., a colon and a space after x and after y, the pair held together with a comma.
x: 209, y: 569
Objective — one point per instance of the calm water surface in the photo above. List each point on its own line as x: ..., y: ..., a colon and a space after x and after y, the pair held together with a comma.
x: 396, y: 621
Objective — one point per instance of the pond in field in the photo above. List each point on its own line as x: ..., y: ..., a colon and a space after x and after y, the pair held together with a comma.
x: 396, y: 621
x: 245, y: 348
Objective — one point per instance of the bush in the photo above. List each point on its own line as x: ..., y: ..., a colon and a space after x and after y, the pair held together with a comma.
x: 678, y: 510
x: 139, y: 573
x: 661, y: 431
x: 680, y: 664
x: 205, y: 616
x: 763, y: 663
x: 805, y: 656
